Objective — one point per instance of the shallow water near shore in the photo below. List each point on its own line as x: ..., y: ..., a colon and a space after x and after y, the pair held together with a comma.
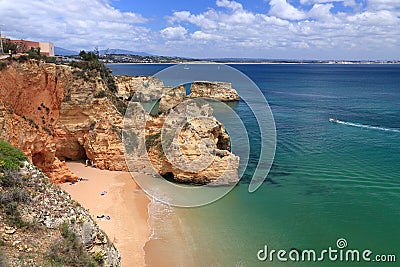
x: 329, y: 180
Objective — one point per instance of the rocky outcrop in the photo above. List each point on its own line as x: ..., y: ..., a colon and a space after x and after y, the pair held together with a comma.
x: 221, y: 91
x: 90, y: 125
x: 55, y: 112
x: 47, y: 206
x: 171, y: 98
x: 29, y: 109
x: 199, y: 153
x: 188, y: 145
x: 145, y: 88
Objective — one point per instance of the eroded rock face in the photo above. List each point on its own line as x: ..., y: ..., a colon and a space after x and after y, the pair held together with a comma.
x: 52, y: 207
x: 52, y: 112
x: 171, y: 98
x: 90, y: 127
x: 145, y: 88
x: 221, y: 91
x: 55, y: 113
x: 200, y: 151
x: 38, y: 145
x: 188, y: 145
x: 30, y: 98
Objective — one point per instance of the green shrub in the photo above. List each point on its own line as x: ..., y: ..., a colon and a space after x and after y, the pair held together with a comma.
x: 68, y: 251
x: 10, y: 157
x: 66, y: 233
x: 34, y: 53
x: 14, y: 195
x: 13, y: 217
x: 98, y: 257
x: 10, y: 178
x: 7, y: 46
x: 153, y: 140
x: 50, y: 59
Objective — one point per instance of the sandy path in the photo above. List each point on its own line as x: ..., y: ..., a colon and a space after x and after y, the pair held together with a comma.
x: 124, y: 202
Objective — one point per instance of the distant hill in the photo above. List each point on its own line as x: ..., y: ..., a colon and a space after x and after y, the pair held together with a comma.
x: 124, y: 52
x: 59, y: 51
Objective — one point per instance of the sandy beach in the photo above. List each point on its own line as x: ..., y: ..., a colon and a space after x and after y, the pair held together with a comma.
x: 114, y: 194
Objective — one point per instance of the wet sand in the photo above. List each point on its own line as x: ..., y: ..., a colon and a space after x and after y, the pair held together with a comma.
x: 123, y: 201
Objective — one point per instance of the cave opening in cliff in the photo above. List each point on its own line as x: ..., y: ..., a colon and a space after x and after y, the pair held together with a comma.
x: 169, y: 176
x: 71, y: 150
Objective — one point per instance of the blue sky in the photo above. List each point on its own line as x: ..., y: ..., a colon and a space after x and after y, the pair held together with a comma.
x: 285, y: 29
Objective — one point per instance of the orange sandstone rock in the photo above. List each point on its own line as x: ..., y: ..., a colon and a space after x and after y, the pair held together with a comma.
x: 52, y: 113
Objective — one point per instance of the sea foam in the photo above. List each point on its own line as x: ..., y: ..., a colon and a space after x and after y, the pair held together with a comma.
x: 368, y: 126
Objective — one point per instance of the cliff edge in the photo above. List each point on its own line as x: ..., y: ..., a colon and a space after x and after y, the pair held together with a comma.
x: 41, y: 225
x: 56, y: 112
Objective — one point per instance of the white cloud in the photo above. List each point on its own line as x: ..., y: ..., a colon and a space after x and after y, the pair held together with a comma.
x: 383, y: 4
x: 229, y: 4
x: 73, y: 24
x: 321, y: 12
x: 199, y: 35
x: 174, y: 33
x: 289, y: 32
x: 312, y: 30
x: 204, y: 20
x: 180, y: 16
x: 345, y: 2
x: 284, y: 10
x: 377, y: 19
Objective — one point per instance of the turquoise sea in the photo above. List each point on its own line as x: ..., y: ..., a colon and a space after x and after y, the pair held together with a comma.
x: 328, y: 180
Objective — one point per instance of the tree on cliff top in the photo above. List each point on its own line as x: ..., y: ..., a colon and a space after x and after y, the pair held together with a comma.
x: 9, y: 46
x: 89, y: 56
x: 90, y: 66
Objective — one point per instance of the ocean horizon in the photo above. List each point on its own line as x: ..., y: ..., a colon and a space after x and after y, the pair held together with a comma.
x: 331, y: 183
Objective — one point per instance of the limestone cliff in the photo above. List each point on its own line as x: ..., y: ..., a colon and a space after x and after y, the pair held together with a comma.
x: 90, y: 124
x: 191, y: 148
x: 44, y: 209
x: 183, y: 160
x: 171, y: 98
x: 221, y: 91
x: 37, y: 144
x: 187, y: 145
x: 54, y: 112
x: 147, y: 88
x: 31, y: 97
